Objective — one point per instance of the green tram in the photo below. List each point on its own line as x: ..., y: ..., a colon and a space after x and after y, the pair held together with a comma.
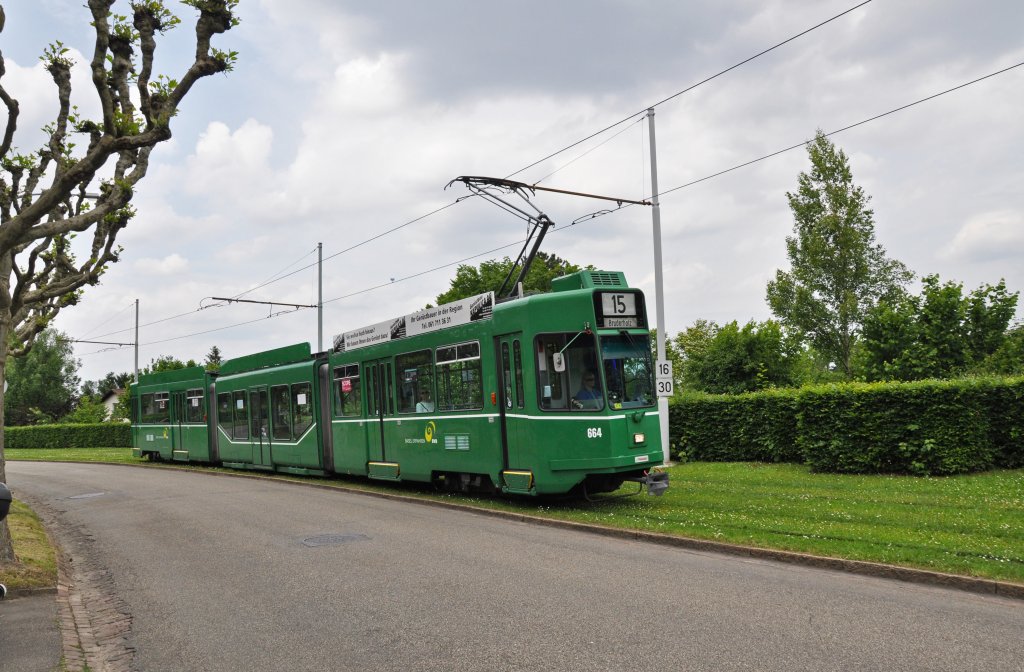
x: 537, y: 395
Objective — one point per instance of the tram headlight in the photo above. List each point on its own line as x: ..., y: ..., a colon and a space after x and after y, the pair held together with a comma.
x: 638, y: 439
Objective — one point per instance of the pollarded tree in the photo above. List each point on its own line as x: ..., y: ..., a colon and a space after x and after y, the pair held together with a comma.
x: 44, y: 195
x: 838, y: 270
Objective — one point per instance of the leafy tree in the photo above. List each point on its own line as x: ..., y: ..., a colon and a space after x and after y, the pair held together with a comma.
x: 108, y: 383
x: 123, y: 408
x: 689, y: 346
x: 733, y: 359
x: 88, y: 410
x: 838, y: 271
x: 45, y: 194
x: 938, y: 334
x: 43, y: 384
x: 743, y: 359
x: 213, y: 359
x: 167, y: 363
x: 487, y: 277
x: 1008, y: 359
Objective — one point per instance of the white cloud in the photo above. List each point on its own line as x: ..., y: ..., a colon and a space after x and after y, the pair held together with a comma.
x: 172, y: 264
x: 988, y: 236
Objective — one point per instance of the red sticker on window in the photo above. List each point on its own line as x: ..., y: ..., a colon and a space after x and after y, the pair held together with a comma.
x: 346, y: 385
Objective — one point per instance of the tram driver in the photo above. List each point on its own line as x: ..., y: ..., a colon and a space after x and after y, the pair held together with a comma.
x: 589, y: 394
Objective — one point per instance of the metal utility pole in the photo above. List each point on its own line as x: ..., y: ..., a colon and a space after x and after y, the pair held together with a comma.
x: 136, y: 341
x: 663, y: 366
x: 320, y: 297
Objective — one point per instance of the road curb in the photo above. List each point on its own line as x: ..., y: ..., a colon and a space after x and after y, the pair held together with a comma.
x: 14, y: 593
x: 871, y: 569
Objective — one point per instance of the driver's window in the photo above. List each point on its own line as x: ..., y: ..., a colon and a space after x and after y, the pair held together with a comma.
x: 577, y: 386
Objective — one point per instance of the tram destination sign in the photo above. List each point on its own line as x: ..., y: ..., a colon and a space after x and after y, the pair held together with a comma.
x: 618, y: 310
x: 456, y: 313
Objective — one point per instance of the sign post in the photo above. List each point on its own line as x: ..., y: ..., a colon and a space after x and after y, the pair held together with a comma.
x: 659, y: 289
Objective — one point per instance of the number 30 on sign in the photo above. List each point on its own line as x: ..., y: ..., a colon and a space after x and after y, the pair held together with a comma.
x: 663, y: 378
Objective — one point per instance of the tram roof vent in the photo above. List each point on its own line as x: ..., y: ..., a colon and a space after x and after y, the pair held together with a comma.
x: 588, y: 280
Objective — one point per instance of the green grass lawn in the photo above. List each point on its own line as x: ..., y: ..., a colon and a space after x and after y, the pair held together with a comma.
x: 971, y: 525
x: 36, y: 565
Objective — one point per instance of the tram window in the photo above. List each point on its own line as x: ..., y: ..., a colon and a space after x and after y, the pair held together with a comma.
x: 162, y: 401
x: 628, y: 371
x: 390, y: 394
x: 147, y: 407
x: 224, y: 411
x: 240, y: 428
x: 506, y: 373
x: 194, y: 406
x: 281, y: 412
x: 517, y: 356
x: 577, y: 386
x: 373, y: 401
x: 415, y: 372
x: 155, y: 407
x: 302, y: 402
x: 347, y: 399
x: 459, y: 386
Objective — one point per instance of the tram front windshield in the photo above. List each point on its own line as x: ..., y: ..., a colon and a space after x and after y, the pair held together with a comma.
x: 628, y: 372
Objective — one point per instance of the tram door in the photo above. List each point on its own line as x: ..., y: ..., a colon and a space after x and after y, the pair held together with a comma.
x: 259, y: 426
x: 513, y: 398
x: 178, y: 449
x: 380, y: 404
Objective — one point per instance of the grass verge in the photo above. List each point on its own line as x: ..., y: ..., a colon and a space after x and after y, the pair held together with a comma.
x: 116, y: 455
x: 971, y: 525
x: 36, y: 565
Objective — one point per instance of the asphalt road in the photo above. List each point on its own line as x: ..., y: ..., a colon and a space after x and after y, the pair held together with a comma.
x: 222, y: 573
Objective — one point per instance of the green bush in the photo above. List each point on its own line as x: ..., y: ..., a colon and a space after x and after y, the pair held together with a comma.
x: 758, y: 427
x: 1005, y: 404
x: 934, y: 427
x: 927, y: 427
x: 101, y: 435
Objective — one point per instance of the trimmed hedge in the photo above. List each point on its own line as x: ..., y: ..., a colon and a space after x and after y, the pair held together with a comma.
x: 101, y: 435
x: 929, y: 427
x: 757, y: 427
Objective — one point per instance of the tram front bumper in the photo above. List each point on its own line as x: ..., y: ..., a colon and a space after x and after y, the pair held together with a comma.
x: 655, y: 481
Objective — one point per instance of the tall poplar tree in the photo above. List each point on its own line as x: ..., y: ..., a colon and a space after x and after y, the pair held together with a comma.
x: 838, y: 271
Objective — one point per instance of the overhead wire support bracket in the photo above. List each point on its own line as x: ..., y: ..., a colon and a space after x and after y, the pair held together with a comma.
x: 265, y: 303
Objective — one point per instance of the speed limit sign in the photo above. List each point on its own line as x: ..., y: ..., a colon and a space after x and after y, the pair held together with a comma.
x: 663, y: 378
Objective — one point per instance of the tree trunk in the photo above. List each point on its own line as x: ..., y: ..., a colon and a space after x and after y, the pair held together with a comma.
x: 6, y: 547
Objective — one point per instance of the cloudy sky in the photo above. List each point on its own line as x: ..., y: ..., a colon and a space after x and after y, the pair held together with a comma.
x: 344, y: 120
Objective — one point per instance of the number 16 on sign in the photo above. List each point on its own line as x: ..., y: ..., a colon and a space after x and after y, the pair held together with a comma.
x: 663, y: 379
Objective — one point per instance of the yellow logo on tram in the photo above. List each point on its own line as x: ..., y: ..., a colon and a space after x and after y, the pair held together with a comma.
x: 428, y: 434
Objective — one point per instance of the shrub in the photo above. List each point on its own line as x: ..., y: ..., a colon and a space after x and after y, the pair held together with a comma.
x: 933, y: 427
x: 100, y: 435
x: 925, y: 427
x: 758, y: 427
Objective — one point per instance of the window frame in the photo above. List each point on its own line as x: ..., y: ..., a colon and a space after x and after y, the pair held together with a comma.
x: 414, y: 384
x: 465, y: 352
x: 351, y: 373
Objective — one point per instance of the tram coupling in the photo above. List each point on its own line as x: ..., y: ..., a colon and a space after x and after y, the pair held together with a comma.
x: 656, y: 482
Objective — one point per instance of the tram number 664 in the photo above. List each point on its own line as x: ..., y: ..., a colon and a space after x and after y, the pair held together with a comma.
x: 593, y: 432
